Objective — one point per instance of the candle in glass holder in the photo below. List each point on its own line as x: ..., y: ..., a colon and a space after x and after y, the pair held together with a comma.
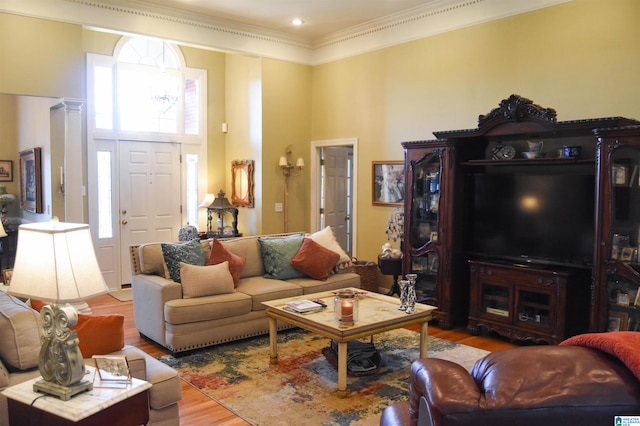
x: 346, y: 311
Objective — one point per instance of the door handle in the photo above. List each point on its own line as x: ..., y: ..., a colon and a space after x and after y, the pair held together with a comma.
x: 124, y: 221
x: 347, y: 217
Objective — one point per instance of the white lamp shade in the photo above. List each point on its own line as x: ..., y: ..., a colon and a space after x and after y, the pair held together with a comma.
x: 300, y: 163
x: 3, y: 233
x: 208, y: 199
x: 55, y: 262
x: 283, y: 162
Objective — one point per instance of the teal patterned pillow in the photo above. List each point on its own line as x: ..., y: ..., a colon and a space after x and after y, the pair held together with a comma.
x: 277, y: 254
x: 191, y: 253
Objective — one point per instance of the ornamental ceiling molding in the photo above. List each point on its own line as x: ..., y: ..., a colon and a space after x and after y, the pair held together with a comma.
x: 218, y: 34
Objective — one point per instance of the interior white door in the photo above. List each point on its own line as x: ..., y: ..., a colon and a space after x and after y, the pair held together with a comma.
x: 337, y: 199
x: 150, y: 195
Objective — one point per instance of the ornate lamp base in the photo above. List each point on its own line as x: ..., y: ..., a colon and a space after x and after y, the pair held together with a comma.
x: 65, y: 393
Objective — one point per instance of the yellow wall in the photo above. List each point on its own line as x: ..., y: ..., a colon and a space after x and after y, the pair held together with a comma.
x: 580, y: 58
x: 41, y: 57
x: 286, y: 120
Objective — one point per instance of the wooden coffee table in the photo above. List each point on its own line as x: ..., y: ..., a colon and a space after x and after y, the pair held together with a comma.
x: 377, y: 313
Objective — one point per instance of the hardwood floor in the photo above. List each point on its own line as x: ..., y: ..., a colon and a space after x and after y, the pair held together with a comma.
x: 198, y: 409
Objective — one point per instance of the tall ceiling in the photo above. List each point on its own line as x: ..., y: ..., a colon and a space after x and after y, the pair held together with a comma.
x: 331, y: 29
x: 321, y: 18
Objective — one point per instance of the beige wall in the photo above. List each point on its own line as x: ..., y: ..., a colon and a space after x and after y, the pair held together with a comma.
x: 286, y: 120
x: 580, y: 58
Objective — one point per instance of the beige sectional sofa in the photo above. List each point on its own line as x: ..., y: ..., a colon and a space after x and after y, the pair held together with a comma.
x: 20, y: 347
x: 179, y: 323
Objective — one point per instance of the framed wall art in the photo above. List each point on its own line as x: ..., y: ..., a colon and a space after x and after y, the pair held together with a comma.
x: 242, y: 183
x: 31, y: 180
x: 6, y: 171
x: 388, y: 183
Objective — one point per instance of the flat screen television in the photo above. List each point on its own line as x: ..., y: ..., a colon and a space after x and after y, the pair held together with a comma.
x: 534, y: 218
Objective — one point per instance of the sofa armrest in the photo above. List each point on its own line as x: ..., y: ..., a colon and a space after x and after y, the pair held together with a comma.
x: 150, y: 293
x: 446, y: 386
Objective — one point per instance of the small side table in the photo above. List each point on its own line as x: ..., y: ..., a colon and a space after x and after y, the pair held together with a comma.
x: 101, y: 406
x: 391, y: 266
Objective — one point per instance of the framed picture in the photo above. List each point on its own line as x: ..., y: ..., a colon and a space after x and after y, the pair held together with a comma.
x: 6, y: 171
x: 619, y: 174
x: 6, y: 276
x: 112, y: 368
x: 617, y: 321
x: 622, y: 299
x: 626, y: 254
x: 388, y: 183
x: 31, y: 180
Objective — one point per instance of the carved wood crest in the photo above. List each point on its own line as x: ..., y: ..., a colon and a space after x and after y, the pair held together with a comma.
x: 518, y: 108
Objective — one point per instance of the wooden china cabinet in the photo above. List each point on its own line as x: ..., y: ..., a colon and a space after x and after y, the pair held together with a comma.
x: 432, y: 240
x: 531, y: 248
x: 617, y: 304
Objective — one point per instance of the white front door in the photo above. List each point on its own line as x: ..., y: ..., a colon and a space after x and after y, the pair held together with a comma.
x: 149, y: 206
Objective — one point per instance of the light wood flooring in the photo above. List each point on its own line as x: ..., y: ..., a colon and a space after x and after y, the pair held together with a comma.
x: 198, y: 409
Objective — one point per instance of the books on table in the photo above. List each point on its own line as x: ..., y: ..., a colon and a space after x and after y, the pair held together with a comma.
x: 303, y: 306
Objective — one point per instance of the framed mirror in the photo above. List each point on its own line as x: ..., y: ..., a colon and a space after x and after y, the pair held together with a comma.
x: 242, y: 183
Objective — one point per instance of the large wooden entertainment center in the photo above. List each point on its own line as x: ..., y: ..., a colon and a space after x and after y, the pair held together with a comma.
x: 558, y: 254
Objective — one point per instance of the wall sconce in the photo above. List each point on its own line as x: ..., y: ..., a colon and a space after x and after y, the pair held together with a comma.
x: 289, y: 169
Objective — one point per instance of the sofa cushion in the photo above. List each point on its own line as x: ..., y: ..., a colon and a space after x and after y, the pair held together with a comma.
x: 201, y: 309
x: 315, y: 260
x: 249, y: 248
x: 99, y: 334
x: 262, y: 289
x: 219, y: 254
x: 198, y: 281
x: 190, y: 252
x: 277, y: 254
x: 327, y: 239
x: 20, y: 334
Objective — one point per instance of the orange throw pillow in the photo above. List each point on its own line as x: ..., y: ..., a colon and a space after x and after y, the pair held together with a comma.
x: 38, y: 304
x: 219, y: 254
x: 315, y: 260
x: 100, y: 334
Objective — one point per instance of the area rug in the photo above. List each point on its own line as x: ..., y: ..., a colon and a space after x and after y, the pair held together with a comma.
x: 124, y: 295
x: 301, y: 388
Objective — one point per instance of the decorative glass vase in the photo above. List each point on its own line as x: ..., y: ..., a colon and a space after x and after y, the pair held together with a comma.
x: 345, y: 307
x: 403, y: 284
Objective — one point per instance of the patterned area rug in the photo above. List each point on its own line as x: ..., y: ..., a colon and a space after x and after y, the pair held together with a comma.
x: 301, y: 388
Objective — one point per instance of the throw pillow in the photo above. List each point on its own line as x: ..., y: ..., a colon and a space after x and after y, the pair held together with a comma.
x: 37, y: 304
x: 99, y: 334
x: 219, y: 254
x: 191, y: 253
x: 277, y: 254
x: 198, y: 281
x: 314, y: 260
x: 327, y: 239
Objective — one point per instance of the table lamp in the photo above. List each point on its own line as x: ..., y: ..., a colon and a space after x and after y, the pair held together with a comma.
x: 56, y: 263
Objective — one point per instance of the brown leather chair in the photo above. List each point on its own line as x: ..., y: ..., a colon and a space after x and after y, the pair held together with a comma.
x: 537, y: 385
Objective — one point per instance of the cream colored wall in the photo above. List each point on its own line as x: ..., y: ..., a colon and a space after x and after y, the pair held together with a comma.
x: 41, y: 57
x: 580, y: 58
x: 244, y: 137
x: 286, y: 120
x: 8, y: 144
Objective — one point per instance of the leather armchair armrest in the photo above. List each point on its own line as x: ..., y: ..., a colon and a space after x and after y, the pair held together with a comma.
x: 446, y: 386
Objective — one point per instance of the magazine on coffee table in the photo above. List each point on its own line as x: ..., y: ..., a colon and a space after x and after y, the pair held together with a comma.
x: 304, y: 306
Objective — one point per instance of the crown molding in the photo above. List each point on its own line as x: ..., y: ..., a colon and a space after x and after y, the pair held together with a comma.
x: 129, y: 17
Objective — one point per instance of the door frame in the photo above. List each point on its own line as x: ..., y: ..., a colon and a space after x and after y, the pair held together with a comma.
x: 315, y: 185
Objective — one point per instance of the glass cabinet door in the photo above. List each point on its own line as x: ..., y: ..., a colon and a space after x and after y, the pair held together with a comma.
x: 624, y: 305
x: 425, y: 202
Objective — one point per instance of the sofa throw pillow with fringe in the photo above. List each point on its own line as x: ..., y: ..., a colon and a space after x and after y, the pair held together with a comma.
x: 277, y: 254
x: 191, y: 253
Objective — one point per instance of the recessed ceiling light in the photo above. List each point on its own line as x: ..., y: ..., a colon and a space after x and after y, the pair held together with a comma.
x: 297, y: 21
